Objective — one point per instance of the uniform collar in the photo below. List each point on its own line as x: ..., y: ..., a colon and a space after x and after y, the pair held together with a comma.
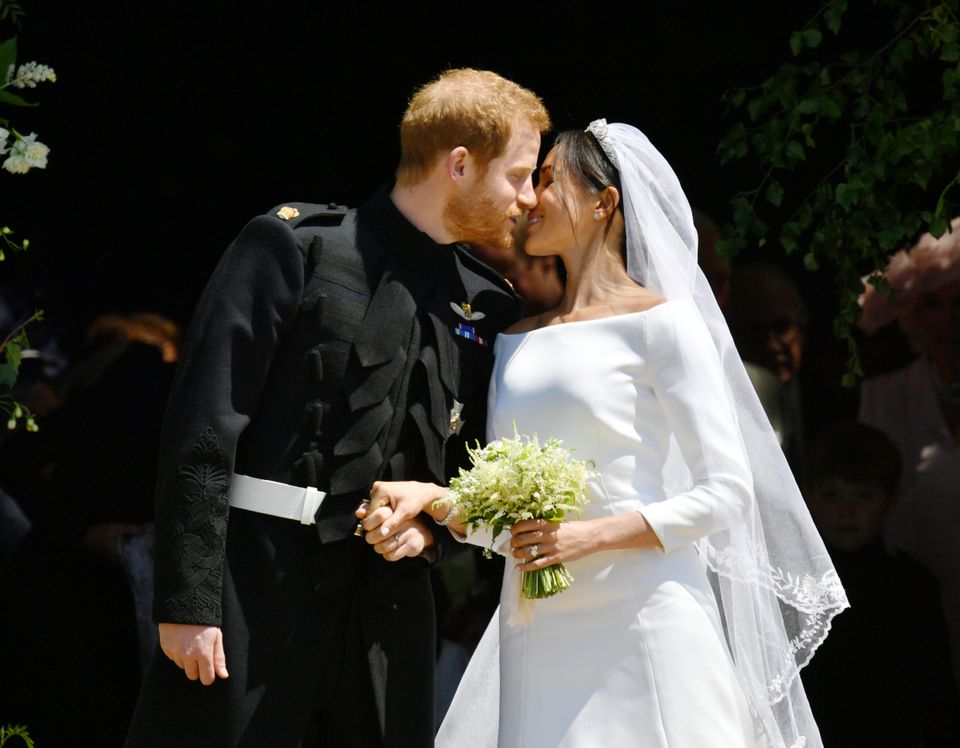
x: 415, y: 250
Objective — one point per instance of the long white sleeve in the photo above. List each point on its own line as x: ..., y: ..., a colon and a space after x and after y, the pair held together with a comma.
x: 686, y: 377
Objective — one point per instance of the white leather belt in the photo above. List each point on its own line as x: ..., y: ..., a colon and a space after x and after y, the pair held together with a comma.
x: 277, y: 499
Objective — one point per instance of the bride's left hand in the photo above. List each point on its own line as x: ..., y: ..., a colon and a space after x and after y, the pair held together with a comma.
x: 540, y: 543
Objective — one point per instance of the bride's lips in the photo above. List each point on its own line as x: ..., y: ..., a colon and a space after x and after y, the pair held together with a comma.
x: 534, y: 219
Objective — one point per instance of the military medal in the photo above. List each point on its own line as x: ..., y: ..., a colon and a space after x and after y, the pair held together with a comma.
x: 469, y: 332
x: 456, y: 422
x: 466, y: 312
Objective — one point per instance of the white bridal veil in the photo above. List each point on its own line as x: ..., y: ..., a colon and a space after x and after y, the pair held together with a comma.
x: 776, y: 586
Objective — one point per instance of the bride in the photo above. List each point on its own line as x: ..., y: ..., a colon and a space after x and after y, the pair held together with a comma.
x: 701, y: 584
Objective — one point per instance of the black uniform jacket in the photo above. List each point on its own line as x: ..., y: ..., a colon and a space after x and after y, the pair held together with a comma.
x: 329, y: 349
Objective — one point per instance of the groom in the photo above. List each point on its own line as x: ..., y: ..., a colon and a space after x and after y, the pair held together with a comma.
x: 332, y: 348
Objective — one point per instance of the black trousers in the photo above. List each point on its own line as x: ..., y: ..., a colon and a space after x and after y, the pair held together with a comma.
x: 325, y: 646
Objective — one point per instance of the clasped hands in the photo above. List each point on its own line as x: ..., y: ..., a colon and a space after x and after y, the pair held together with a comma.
x: 393, y: 528
x: 391, y: 518
x: 396, y: 530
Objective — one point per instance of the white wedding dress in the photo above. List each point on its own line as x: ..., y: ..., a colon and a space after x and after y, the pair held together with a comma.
x: 633, y: 654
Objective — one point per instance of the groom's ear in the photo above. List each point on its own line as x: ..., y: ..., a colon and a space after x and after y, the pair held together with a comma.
x: 458, y: 163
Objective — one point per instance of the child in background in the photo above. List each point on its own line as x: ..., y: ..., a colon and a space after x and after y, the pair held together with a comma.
x: 883, y: 676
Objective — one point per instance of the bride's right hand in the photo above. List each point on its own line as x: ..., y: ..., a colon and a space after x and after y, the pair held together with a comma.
x: 392, y: 503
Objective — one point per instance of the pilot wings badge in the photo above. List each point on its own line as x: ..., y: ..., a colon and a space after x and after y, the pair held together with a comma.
x: 464, y: 310
x: 467, y: 313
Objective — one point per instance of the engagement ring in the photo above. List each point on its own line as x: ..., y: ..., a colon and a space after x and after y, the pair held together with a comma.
x: 534, y: 551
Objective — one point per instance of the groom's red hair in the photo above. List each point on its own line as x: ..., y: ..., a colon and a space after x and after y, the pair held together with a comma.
x: 463, y: 107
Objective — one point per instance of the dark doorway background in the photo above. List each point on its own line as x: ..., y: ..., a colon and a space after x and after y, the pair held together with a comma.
x: 172, y: 124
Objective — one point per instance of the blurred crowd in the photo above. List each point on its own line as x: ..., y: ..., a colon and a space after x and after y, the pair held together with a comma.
x: 879, y: 466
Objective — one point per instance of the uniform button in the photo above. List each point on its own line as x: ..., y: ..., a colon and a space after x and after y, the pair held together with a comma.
x: 314, y: 418
x: 313, y: 365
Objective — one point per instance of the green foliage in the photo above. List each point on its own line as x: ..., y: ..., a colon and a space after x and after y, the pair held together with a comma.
x: 12, y: 347
x: 15, y: 731
x: 7, y: 241
x: 8, y: 58
x: 12, y: 11
x: 11, y: 98
x: 24, y: 154
x: 11, y: 351
x: 857, y: 150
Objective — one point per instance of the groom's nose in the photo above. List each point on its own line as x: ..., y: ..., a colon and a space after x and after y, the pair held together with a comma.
x: 527, y: 197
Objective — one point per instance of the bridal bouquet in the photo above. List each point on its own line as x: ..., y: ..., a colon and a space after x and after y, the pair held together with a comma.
x: 519, y: 478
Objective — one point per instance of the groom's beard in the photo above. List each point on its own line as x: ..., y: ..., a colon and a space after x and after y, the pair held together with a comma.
x: 474, y: 218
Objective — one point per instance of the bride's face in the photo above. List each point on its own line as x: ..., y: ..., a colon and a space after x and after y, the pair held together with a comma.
x: 563, y: 212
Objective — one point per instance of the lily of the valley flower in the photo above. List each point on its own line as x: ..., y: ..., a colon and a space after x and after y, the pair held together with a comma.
x: 29, y: 74
x: 25, y: 154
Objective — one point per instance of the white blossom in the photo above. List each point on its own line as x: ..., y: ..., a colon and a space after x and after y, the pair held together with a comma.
x: 4, y: 134
x: 520, y: 478
x: 16, y: 164
x: 30, y: 74
x: 25, y: 154
x: 36, y: 154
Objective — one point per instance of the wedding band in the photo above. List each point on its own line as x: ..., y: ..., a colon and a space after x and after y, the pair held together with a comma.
x: 396, y: 541
x: 534, y: 551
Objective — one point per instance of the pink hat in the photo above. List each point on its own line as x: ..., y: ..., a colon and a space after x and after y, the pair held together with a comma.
x: 929, y: 264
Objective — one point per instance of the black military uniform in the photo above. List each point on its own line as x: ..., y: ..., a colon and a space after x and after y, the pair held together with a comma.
x: 331, y: 348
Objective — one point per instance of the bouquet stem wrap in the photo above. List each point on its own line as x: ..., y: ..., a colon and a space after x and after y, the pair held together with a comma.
x: 545, y: 582
x: 520, y: 478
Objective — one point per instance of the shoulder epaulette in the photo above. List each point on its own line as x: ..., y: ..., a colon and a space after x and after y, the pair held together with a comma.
x: 309, y: 214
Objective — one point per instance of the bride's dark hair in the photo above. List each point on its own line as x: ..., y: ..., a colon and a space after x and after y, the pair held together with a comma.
x: 580, y: 157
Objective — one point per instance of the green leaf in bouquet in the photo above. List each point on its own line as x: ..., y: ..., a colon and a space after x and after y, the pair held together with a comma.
x: 519, y: 478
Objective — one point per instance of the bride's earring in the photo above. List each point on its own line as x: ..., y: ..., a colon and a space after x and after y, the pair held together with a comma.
x: 597, y: 215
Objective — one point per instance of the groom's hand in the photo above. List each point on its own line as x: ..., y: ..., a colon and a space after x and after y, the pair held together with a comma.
x: 412, y: 538
x: 195, y: 649
x: 393, y: 503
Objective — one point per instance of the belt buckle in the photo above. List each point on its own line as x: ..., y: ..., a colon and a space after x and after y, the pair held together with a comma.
x: 309, y: 506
